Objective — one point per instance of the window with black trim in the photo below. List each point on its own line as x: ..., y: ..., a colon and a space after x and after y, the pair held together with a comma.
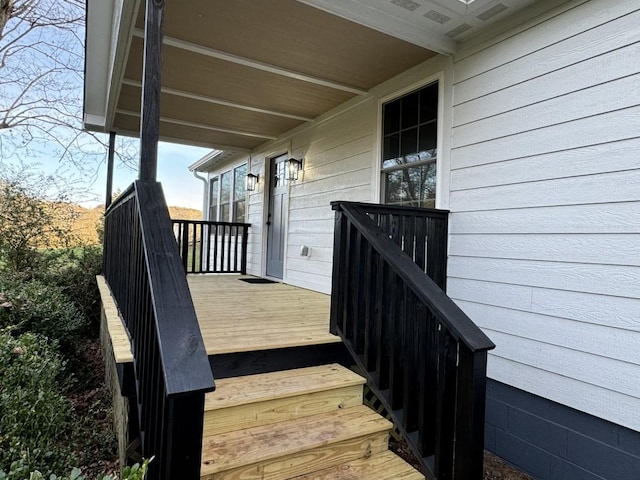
x: 409, y: 148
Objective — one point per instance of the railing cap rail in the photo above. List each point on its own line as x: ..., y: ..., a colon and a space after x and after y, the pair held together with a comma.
x: 382, y: 208
x: 449, y: 314
x: 185, y: 362
x: 210, y: 222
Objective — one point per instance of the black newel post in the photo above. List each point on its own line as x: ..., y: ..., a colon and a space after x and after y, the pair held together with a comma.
x: 151, y: 85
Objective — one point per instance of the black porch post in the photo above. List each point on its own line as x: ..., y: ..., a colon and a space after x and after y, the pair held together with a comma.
x: 151, y: 83
x: 112, y: 151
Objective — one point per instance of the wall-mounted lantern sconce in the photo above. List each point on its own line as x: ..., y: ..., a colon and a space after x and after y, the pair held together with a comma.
x: 252, y: 181
x: 294, y: 167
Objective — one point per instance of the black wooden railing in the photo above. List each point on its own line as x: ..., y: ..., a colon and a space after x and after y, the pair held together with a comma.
x: 143, y: 268
x: 212, y: 247
x: 424, y: 358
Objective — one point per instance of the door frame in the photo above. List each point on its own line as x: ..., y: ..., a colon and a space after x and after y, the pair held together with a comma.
x: 266, y: 198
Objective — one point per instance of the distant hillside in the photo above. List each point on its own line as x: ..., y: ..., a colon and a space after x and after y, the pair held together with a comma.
x: 86, y: 221
x: 183, y: 213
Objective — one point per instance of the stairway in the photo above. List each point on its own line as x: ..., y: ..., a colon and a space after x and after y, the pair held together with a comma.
x: 303, y: 424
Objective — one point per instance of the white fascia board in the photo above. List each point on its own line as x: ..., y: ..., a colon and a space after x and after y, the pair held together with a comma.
x: 200, y: 164
x: 124, y: 17
x: 93, y: 122
x: 214, y: 159
x: 375, y: 19
x: 97, y: 52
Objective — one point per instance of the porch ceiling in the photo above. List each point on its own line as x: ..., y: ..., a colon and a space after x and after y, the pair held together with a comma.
x: 239, y: 73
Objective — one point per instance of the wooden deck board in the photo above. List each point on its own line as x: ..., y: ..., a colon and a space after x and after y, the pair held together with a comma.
x: 237, y: 316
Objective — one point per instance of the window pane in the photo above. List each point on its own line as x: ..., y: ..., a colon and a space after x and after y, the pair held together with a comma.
x: 391, y: 147
x: 409, y: 141
x: 391, y: 115
x: 224, y: 212
x: 410, y: 109
x: 429, y: 103
x: 428, y: 139
x: 238, y: 211
x: 240, y: 182
x: 411, y: 186
x: 213, y: 199
x: 225, y: 185
x: 225, y: 196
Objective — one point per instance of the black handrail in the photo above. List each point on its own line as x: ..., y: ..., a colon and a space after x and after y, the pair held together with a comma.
x: 423, y: 357
x: 212, y: 247
x: 143, y: 269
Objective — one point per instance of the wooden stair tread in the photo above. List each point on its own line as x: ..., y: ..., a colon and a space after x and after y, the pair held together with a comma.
x: 242, y: 448
x: 383, y: 466
x: 232, y: 392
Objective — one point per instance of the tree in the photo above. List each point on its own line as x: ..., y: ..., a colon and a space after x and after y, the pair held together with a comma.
x: 34, y: 214
x: 41, y: 84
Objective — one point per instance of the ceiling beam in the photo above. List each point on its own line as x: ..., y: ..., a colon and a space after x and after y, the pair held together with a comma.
x: 202, y: 126
x: 265, y: 67
x: 217, y: 101
x: 181, y: 141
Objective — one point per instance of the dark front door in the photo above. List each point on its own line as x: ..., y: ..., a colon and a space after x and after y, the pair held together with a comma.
x: 278, y: 203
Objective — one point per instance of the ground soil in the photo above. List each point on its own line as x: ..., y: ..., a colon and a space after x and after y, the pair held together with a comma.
x: 494, y: 467
x: 94, y: 441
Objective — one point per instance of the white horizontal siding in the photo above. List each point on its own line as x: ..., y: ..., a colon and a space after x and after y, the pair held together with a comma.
x: 596, y: 340
x: 609, y: 311
x: 579, y: 248
x: 528, y: 45
x: 255, y: 212
x: 587, y: 160
x: 338, y: 158
x: 587, y: 218
x: 545, y: 194
x: 609, y: 127
x: 613, y: 280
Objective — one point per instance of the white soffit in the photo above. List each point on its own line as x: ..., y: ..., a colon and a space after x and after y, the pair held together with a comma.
x: 98, y: 50
x: 434, y: 24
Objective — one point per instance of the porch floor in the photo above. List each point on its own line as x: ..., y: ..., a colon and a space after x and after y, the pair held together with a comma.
x: 237, y: 316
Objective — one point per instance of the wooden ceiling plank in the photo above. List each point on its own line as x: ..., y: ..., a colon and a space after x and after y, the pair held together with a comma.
x: 191, y: 72
x: 228, y: 57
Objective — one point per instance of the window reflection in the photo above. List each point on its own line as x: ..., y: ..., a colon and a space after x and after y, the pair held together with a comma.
x: 409, y: 148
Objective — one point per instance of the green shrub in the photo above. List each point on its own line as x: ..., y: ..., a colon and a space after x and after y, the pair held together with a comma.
x: 19, y: 471
x: 40, y: 308
x: 74, y: 271
x: 35, y: 418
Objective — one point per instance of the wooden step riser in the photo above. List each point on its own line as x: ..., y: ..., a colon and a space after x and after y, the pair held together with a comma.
x: 280, y: 410
x: 308, y: 461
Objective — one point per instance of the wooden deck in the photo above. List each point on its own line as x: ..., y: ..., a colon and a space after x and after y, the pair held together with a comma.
x: 236, y: 316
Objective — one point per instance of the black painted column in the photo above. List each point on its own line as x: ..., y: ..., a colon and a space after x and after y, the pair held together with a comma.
x: 112, y: 151
x: 151, y: 84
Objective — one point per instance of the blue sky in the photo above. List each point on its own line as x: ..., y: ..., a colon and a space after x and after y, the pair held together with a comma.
x: 181, y: 188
